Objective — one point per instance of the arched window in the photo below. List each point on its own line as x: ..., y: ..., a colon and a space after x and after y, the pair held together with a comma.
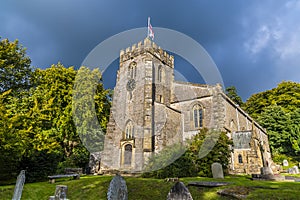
x: 198, y: 116
x: 129, y: 131
x: 159, y: 73
x: 132, y: 70
x: 240, y: 158
x: 127, y: 154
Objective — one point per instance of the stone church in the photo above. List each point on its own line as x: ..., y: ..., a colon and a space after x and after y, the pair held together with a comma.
x: 151, y: 111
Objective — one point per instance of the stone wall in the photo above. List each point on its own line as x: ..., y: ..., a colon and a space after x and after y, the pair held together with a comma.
x: 237, y: 120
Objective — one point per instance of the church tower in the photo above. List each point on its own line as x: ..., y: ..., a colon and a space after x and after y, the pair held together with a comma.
x: 141, y: 104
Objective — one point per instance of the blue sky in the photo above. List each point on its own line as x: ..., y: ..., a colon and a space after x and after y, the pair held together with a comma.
x: 255, y: 44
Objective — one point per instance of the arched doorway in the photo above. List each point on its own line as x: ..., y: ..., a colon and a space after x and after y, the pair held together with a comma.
x: 127, y: 155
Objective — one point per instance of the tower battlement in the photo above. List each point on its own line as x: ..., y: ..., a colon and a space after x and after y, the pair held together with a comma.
x: 147, y: 46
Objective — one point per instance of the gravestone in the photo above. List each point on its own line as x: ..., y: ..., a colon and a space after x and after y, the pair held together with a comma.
x: 94, y: 162
x: 60, y: 193
x: 179, y: 192
x: 19, y: 186
x: 117, y: 189
x: 285, y: 163
x: 217, y: 170
x: 293, y: 170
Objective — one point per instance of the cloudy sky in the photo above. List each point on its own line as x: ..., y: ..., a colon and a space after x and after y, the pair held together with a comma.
x: 255, y: 44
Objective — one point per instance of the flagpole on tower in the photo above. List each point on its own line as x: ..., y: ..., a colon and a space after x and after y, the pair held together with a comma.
x: 148, y: 26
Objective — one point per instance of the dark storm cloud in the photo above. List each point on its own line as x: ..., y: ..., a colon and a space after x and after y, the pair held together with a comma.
x: 246, y: 40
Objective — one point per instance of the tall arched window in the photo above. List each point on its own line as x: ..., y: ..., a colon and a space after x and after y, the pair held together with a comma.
x: 240, y: 158
x: 132, y: 70
x: 198, y: 116
x: 159, y: 73
x: 129, y: 131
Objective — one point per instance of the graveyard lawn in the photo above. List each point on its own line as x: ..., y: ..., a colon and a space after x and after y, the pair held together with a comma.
x: 95, y: 187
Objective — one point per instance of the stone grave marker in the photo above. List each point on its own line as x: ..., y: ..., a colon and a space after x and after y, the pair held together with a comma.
x: 117, y: 189
x: 285, y: 163
x: 293, y: 170
x: 179, y: 192
x: 19, y: 186
x: 217, y: 170
x: 60, y: 193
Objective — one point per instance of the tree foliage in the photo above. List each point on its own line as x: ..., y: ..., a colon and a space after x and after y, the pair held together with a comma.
x: 232, y: 94
x: 37, y: 131
x: 286, y: 95
x: 91, y: 107
x: 283, y: 128
x: 277, y: 110
x: 190, y: 164
x: 15, y: 69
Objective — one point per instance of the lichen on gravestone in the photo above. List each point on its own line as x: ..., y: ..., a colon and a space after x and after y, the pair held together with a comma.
x: 117, y: 189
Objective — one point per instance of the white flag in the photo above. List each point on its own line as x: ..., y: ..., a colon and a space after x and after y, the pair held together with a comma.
x: 150, y: 30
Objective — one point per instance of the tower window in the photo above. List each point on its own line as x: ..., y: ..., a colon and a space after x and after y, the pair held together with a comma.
x: 132, y: 70
x: 161, y: 99
x: 198, y: 116
x: 129, y: 131
x: 159, y: 74
x: 240, y: 158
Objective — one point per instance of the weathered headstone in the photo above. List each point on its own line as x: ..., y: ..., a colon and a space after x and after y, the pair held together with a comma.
x: 19, y: 186
x: 285, y: 163
x: 293, y: 170
x: 217, y: 170
x: 94, y: 162
x: 61, y: 192
x: 117, y: 189
x: 179, y: 192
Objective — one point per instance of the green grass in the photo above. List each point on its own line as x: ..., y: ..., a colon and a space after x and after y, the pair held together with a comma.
x: 95, y: 187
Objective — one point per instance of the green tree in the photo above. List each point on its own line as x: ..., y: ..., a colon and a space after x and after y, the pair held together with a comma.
x: 11, y: 147
x: 277, y: 110
x: 220, y: 152
x: 15, y: 69
x: 91, y: 107
x: 190, y: 163
x: 232, y: 94
x: 294, y: 128
x: 286, y: 95
x: 51, y: 109
x: 276, y: 121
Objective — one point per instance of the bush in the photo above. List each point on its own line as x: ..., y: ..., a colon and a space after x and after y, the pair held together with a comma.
x: 190, y: 164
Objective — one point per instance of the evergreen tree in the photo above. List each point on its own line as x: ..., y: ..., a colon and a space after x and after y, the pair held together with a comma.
x: 15, y: 69
x: 232, y: 94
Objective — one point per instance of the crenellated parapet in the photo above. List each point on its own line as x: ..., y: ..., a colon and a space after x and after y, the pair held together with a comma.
x: 146, y: 46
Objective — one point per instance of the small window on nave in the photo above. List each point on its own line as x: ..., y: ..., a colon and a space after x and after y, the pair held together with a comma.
x: 198, y: 116
x: 240, y: 158
x: 129, y: 131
